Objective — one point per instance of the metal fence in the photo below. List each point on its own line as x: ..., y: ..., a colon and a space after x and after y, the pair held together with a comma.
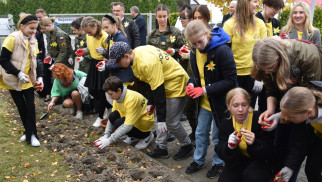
x: 64, y: 20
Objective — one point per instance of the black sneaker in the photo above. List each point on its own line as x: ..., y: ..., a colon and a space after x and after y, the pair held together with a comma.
x: 194, y: 167
x: 158, y: 153
x: 184, y: 152
x: 171, y: 137
x: 215, y: 171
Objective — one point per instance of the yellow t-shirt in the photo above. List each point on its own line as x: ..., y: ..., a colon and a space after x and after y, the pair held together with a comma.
x: 154, y: 66
x: 9, y: 44
x: 248, y: 124
x: 133, y: 108
x: 269, y: 29
x: 243, y: 49
x: 93, y: 43
x: 201, y: 60
x: 299, y: 34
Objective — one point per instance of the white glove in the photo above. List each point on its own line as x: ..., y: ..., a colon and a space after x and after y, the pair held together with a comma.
x: 100, y: 50
x: 105, y: 142
x: 23, y: 77
x: 286, y: 173
x: 273, y: 121
x: 184, y: 52
x: 233, y: 140
x: 51, y: 67
x: 171, y: 51
x: 101, y: 66
x: 101, y: 138
x: 70, y: 61
x: 162, y: 127
x: 79, y: 59
x: 40, y: 83
x: 258, y: 86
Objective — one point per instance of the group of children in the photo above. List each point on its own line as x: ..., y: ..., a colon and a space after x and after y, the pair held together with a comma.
x: 249, y: 145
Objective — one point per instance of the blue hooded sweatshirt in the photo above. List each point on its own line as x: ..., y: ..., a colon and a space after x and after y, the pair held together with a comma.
x: 219, y: 37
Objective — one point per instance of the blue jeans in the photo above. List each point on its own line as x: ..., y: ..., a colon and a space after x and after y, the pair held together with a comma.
x: 205, y: 118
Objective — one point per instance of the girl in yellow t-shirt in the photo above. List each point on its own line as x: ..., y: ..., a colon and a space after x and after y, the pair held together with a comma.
x: 96, y: 38
x: 18, y: 73
x: 245, y: 30
x: 247, y: 150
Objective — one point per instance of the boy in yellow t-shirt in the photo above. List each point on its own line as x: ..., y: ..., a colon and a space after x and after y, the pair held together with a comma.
x: 129, y: 116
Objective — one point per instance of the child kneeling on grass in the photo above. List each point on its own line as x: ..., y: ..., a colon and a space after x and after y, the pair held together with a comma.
x: 129, y: 116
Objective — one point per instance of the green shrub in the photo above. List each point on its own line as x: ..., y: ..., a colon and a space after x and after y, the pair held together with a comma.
x: 173, y: 18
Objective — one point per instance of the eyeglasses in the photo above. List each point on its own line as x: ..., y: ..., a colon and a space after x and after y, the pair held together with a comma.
x: 275, y: 10
x: 270, y: 69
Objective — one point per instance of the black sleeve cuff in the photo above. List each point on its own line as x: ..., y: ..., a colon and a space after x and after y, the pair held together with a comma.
x: 160, y: 102
x: 5, y: 62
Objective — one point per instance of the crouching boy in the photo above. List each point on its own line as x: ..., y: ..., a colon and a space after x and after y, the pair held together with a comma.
x: 129, y: 116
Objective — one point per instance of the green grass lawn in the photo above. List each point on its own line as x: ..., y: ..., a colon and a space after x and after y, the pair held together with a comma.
x: 20, y: 161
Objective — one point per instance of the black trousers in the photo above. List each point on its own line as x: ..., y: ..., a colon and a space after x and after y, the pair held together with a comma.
x: 48, y: 81
x: 251, y: 171
x: 117, y: 121
x: 313, y: 167
x: 100, y: 102
x: 24, y: 101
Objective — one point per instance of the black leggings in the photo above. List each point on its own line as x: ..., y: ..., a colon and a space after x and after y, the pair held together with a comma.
x: 24, y: 101
x: 117, y: 121
x: 100, y: 102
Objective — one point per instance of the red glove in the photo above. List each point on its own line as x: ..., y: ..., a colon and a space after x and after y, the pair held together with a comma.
x: 80, y: 52
x: 184, y: 49
x: 189, y: 89
x: 47, y: 60
x: 197, y: 92
x: 150, y: 109
x: 99, y: 64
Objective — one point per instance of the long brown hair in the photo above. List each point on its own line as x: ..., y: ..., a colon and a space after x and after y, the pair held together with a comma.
x: 243, y: 18
x: 267, y: 51
x: 92, y: 22
x: 62, y: 72
x: 118, y: 23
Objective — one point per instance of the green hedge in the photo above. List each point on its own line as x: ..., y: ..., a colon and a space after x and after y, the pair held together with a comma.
x: 14, y: 7
x: 317, y: 19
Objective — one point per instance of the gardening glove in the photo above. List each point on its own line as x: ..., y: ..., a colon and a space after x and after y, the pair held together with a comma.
x: 105, y: 136
x: 233, y: 140
x: 189, y: 89
x: 258, y: 86
x: 286, y: 173
x: 100, y: 50
x: 48, y: 60
x: 40, y: 83
x: 79, y: 59
x: 272, y: 122
x: 80, y: 52
x: 170, y: 51
x: 101, y: 66
x: 184, y: 52
x: 197, y: 92
x: 105, y: 142
x: 70, y: 61
x: 51, y: 67
x: 150, y: 109
x: 23, y: 77
x: 162, y: 127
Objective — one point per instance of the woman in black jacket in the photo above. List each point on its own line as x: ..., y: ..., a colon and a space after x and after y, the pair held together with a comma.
x: 246, y: 149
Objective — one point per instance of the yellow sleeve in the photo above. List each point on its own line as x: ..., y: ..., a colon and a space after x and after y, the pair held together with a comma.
x: 228, y: 28
x: 154, y: 74
x: 262, y: 30
x: 9, y: 43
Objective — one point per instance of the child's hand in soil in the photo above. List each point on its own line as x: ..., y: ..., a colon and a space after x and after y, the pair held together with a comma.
x: 105, y: 142
x: 249, y: 136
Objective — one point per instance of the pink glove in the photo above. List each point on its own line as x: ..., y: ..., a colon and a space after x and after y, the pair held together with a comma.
x: 197, y: 92
x: 47, y: 60
x: 80, y: 52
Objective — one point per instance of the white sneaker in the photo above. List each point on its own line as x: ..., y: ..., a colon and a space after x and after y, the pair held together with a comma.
x: 130, y: 140
x: 34, y: 141
x: 97, y: 123
x: 143, y: 143
x: 23, y: 138
x: 79, y: 115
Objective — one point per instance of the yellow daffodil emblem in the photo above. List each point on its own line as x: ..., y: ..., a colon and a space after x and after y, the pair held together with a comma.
x: 276, y: 30
x: 172, y: 38
x: 126, y: 24
x: 211, y: 66
x: 81, y: 43
x: 139, y: 76
x: 63, y: 44
x: 54, y: 44
x: 111, y: 43
x: 35, y: 51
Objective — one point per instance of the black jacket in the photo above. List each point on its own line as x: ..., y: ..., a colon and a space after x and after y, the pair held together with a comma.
x: 219, y: 80
x: 225, y: 18
x: 140, y: 22
x: 275, y: 23
x: 262, y: 149
x: 132, y: 32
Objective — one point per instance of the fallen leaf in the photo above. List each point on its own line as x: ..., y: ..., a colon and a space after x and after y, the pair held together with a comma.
x: 68, y: 176
x: 173, y: 169
x: 7, y: 151
x: 148, y: 150
x: 54, y: 163
x: 12, y: 144
x: 61, y: 136
x: 26, y: 165
x: 7, y: 177
x: 52, y: 175
x: 25, y: 180
x: 179, y: 167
